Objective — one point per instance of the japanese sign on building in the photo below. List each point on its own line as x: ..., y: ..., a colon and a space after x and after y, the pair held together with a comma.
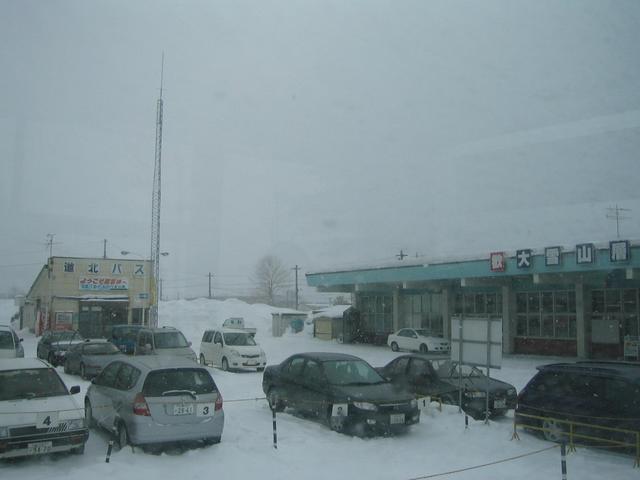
x: 619, y: 251
x: 93, y: 268
x: 497, y: 262
x: 523, y: 258
x: 116, y: 269
x: 103, y: 283
x: 139, y: 269
x: 552, y: 256
x: 69, y: 267
x: 585, y: 253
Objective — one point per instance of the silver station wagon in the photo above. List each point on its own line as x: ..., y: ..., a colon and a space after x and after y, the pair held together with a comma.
x: 155, y: 400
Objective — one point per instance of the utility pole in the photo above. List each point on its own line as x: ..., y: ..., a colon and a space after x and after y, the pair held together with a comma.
x: 617, y: 213
x: 49, y: 279
x: 296, y: 268
x: 104, y: 255
x: 210, y: 294
x: 160, y: 289
x: 50, y: 243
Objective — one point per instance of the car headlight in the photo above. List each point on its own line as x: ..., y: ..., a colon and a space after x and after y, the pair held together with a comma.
x: 76, y: 424
x: 476, y: 394
x: 233, y: 352
x: 4, y: 432
x: 365, y: 406
x: 511, y: 391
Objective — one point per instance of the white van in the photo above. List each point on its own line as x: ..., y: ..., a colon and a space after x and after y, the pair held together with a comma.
x: 10, y: 344
x: 231, y: 349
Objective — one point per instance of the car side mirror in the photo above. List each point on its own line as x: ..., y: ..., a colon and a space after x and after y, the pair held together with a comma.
x: 74, y: 390
x: 189, y: 344
x: 21, y: 339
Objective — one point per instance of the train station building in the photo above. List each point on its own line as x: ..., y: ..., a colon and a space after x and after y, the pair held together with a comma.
x: 581, y: 300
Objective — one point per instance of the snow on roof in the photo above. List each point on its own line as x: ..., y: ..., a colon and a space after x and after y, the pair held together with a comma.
x: 335, y: 311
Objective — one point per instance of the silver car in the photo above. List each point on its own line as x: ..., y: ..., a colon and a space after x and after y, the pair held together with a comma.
x: 154, y: 400
x: 10, y: 343
x: 88, y: 358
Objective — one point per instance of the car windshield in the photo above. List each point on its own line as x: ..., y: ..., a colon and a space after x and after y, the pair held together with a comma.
x: 100, y: 349
x: 30, y: 383
x: 65, y: 336
x: 423, y: 332
x: 239, y: 339
x: 127, y: 333
x: 350, y: 372
x: 170, y: 340
x: 6, y: 339
x: 447, y: 368
x: 176, y: 381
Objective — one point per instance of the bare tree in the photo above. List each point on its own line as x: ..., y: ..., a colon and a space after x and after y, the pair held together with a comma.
x: 270, y: 277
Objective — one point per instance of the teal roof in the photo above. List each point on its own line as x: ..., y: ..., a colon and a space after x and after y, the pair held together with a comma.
x: 479, y: 268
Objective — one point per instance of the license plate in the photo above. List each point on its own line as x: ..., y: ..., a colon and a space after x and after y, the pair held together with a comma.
x: 499, y: 403
x: 183, y: 409
x: 39, y: 447
x: 252, y: 364
x: 396, y: 418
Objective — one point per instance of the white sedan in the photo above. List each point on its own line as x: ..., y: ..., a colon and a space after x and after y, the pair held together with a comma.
x: 418, y: 340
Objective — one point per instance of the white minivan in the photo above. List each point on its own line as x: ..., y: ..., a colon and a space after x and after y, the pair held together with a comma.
x: 231, y: 349
x: 10, y: 343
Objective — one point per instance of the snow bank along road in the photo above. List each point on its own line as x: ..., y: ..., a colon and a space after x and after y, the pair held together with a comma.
x: 309, y: 450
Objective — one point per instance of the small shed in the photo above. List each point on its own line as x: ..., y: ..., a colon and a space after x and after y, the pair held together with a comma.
x: 333, y: 322
x: 284, y: 319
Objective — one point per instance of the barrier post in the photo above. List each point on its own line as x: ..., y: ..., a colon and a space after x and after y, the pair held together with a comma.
x: 563, y: 456
x: 637, y: 462
x: 515, y: 431
x: 466, y: 422
x: 275, y: 434
x: 109, y: 449
x: 572, y: 447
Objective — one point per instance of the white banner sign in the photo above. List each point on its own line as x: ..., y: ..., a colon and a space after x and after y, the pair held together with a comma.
x: 477, y: 341
x: 103, y: 283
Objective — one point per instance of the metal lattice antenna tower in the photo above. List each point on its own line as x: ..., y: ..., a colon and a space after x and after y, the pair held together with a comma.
x: 155, y: 207
x: 617, y: 213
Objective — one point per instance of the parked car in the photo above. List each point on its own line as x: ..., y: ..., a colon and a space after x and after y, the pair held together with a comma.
x: 38, y: 414
x: 443, y: 377
x: 590, y: 393
x: 238, y: 324
x: 53, y: 345
x: 89, y: 358
x: 124, y: 337
x: 342, y: 390
x: 155, y: 400
x: 417, y: 340
x: 164, y: 341
x: 231, y: 349
x: 10, y: 343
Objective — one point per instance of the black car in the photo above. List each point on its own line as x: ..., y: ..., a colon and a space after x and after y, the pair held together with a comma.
x: 586, y: 399
x: 54, y: 344
x: 342, y: 390
x: 442, y: 378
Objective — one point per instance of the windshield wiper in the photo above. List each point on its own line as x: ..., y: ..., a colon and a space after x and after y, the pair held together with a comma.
x: 174, y: 392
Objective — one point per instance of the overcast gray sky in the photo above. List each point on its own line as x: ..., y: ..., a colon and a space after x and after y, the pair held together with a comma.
x: 330, y: 133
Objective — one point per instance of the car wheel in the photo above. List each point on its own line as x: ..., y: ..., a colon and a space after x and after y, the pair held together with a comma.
x: 553, y: 430
x: 202, y: 360
x: 88, y: 414
x: 260, y: 369
x: 394, y: 346
x: 211, y: 441
x: 78, y: 450
x: 83, y: 371
x: 51, y: 359
x: 423, y: 348
x: 67, y: 370
x: 225, y: 365
x: 275, y: 400
x: 122, y: 436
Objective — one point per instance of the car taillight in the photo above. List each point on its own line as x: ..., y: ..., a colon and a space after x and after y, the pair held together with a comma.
x: 218, y: 402
x: 140, y: 406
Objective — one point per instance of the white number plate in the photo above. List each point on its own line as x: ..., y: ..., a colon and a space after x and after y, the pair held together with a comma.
x: 205, y: 409
x: 396, y: 418
x: 499, y: 403
x: 39, y: 447
x: 252, y: 364
x: 47, y: 420
x: 183, y: 409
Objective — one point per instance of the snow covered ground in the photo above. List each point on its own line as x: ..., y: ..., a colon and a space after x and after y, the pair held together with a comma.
x: 309, y: 450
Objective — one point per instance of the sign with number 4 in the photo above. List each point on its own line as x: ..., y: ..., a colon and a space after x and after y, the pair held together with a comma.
x: 47, y: 420
x: 205, y: 409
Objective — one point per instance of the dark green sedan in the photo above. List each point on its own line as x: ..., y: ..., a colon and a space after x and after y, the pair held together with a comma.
x: 341, y: 390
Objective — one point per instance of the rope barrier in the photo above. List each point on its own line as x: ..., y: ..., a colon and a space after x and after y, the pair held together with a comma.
x: 475, y: 467
x: 245, y: 399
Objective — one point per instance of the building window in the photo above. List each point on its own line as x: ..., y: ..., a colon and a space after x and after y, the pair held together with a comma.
x: 422, y: 311
x: 621, y: 304
x: 478, y: 304
x: 546, y: 314
x: 377, y: 313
